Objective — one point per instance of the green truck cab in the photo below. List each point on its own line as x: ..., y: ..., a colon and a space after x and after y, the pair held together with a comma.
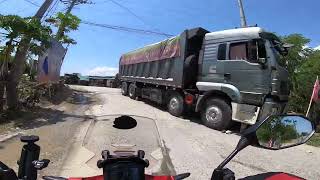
x: 229, y: 75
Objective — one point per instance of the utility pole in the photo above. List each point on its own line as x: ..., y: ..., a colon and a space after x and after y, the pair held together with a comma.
x: 71, y: 4
x: 44, y: 7
x: 242, y: 15
x: 19, y: 61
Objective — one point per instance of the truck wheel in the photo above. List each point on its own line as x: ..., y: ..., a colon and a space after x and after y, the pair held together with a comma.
x: 132, y: 91
x: 216, y: 114
x: 175, y: 104
x: 124, y: 88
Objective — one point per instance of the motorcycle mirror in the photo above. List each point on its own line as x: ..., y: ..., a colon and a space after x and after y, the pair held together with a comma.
x: 284, y: 131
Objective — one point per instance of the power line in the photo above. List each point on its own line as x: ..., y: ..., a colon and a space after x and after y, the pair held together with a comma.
x: 50, y: 10
x: 134, y: 14
x: 126, y: 29
x: 129, y: 11
x: 56, y: 7
x: 33, y: 3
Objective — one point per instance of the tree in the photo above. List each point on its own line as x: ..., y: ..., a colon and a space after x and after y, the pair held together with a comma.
x: 71, y: 23
x: 298, y: 54
x: 23, y: 35
x: 304, y: 79
x: 27, y: 38
x: 303, y: 64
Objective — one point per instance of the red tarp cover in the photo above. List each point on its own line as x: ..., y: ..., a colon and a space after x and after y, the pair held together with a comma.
x: 165, y: 49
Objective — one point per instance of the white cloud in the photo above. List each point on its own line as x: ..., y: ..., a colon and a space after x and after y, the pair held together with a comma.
x: 103, y: 71
x: 317, y: 48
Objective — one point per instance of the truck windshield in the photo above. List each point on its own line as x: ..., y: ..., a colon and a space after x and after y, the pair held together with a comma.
x: 277, y: 47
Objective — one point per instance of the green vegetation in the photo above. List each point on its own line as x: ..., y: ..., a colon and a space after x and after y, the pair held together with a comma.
x: 26, y: 38
x: 315, y: 140
x: 303, y: 64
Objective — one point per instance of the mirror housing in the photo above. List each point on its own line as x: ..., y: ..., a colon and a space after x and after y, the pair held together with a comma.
x: 262, y: 61
x: 305, y: 130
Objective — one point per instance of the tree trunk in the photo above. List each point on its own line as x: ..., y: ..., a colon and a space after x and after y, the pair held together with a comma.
x: 15, y: 74
x: 2, y: 91
x: 19, y: 62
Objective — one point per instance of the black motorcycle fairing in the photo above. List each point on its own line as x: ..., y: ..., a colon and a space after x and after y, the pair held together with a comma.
x: 6, y: 173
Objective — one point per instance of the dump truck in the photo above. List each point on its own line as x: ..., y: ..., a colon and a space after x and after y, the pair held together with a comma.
x: 230, y: 75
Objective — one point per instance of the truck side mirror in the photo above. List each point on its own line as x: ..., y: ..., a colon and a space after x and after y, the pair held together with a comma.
x: 262, y: 61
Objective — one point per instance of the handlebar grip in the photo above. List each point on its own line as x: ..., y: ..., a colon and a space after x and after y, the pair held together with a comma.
x: 53, y: 178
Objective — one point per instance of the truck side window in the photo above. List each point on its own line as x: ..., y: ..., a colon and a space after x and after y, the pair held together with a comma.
x: 222, y: 51
x: 244, y: 51
x: 238, y: 51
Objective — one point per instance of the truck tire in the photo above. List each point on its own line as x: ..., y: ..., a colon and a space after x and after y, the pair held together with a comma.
x: 216, y: 114
x: 175, y: 104
x: 124, y: 88
x: 132, y: 91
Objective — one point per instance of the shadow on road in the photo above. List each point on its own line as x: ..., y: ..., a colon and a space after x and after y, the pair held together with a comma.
x: 192, y: 116
x: 35, y: 117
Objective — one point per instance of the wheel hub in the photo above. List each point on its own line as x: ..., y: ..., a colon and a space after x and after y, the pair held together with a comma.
x: 174, y: 103
x: 213, y: 113
x: 131, y: 90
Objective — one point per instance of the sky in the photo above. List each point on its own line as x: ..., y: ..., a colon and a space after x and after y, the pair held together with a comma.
x: 98, y: 50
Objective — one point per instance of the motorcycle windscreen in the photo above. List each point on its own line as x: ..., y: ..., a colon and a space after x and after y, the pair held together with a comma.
x: 127, y: 135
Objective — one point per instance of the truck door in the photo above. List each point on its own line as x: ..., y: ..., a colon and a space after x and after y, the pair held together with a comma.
x: 243, y: 70
x: 210, y: 69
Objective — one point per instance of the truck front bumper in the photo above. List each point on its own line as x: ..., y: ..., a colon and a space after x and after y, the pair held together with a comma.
x: 250, y: 114
x: 271, y: 107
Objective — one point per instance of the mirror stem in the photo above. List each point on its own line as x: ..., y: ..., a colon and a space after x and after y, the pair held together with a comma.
x: 234, y: 152
x: 243, y: 143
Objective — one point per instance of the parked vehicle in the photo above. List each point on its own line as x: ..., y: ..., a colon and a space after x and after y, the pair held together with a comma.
x: 126, y: 164
x: 227, y: 75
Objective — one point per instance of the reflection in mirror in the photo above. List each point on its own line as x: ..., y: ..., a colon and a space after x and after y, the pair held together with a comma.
x: 281, y: 131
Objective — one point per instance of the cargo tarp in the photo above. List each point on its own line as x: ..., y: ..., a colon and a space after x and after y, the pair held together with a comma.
x: 168, y: 48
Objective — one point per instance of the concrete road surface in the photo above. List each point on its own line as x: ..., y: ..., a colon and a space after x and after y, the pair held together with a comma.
x: 73, y: 141
x: 194, y: 148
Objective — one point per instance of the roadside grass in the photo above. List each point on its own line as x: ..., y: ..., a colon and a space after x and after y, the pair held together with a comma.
x: 315, y: 140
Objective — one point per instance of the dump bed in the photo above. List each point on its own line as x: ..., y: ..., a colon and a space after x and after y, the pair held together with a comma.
x: 164, y: 63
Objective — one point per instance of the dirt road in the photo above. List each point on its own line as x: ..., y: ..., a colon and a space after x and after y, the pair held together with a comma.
x: 189, y: 146
x: 56, y: 125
